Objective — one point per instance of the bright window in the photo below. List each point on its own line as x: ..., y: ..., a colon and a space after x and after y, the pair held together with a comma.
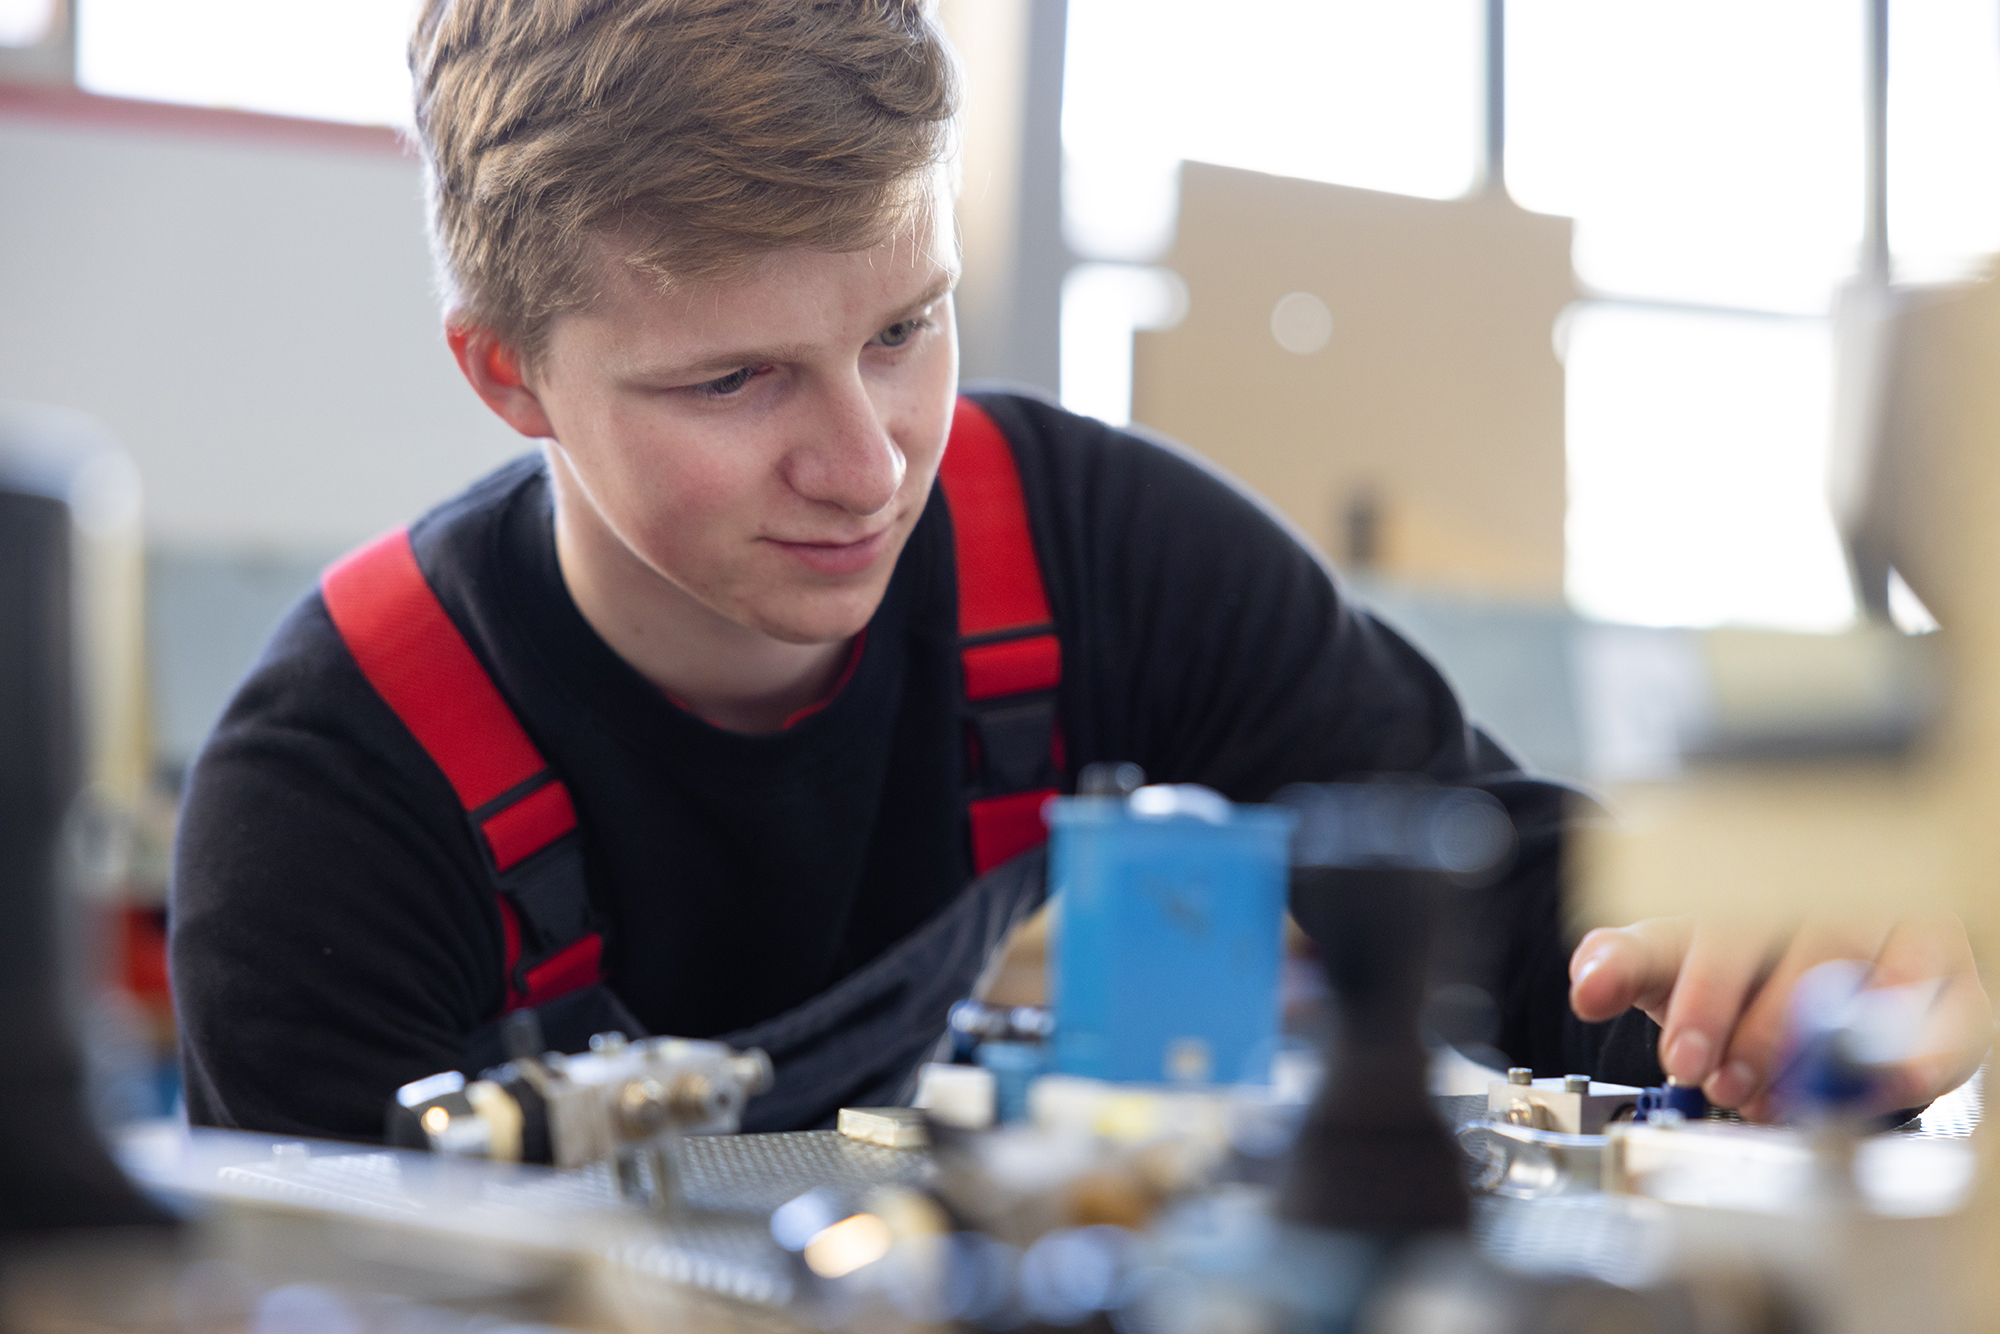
x: 1711, y: 153
x: 26, y: 22
x: 1709, y: 150
x: 1697, y: 469
x: 1944, y: 137
x: 1382, y: 96
x: 1385, y: 96
x: 329, y: 61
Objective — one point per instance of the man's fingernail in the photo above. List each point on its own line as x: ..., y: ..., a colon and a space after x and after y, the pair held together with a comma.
x: 1688, y: 1057
x: 1589, y: 965
x: 1731, y: 1084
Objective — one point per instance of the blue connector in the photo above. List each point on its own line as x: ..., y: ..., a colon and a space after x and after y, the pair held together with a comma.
x: 1014, y: 1066
x: 1686, y: 1099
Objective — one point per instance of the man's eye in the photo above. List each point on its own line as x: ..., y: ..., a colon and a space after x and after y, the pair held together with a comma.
x: 729, y: 383
x: 899, y: 333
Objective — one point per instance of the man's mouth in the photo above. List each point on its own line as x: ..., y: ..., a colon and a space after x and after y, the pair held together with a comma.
x: 836, y: 557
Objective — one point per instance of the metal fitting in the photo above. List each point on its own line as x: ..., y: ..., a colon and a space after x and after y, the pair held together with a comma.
x: 1520, y: 1074
x: 753, y: 1068
x: 1530, y: 1114
x: 644, y: 1108
x: 693, y: 1096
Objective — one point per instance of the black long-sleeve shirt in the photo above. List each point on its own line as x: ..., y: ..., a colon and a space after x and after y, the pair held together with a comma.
x: 335, y: 934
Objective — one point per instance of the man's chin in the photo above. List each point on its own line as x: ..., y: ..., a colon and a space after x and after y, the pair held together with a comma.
x: 832, y: 621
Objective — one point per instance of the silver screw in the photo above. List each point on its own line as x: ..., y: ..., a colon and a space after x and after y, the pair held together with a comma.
x: 1520, y: 1074
x: 644, y: 1107
x: 1576, y: 1083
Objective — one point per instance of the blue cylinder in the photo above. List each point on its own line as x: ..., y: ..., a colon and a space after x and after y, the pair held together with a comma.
x: 1170, y: 933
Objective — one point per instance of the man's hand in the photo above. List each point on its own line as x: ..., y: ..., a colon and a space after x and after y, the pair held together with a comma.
x: 1719, y: 993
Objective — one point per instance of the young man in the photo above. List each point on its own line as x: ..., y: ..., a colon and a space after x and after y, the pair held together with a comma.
x: 691, y: 721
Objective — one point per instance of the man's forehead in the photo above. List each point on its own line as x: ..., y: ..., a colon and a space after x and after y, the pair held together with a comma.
x: 926, y: 241
x: 777, y: 301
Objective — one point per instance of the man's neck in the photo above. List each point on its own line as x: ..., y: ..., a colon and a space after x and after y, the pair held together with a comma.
x: 727, y: 674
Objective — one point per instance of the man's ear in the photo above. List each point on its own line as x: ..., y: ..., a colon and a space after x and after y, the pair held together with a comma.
x: 493, y: 369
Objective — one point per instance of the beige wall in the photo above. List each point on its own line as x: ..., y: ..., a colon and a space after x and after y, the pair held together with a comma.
x: 253, y: 319
x: 1438, y: 393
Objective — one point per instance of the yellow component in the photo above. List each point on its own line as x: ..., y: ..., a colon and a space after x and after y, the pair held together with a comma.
x: 502, y: 1115
x: 890, y: 1127
x: 1129, y: 1118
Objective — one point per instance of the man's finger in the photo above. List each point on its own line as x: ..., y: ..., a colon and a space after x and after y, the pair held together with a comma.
x: 1722, y: 966
x: 1959, y: 1029
x: 1744, y: 1072
x: 1616, y: 968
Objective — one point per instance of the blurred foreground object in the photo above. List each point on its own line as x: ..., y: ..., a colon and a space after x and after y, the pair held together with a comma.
x: 1326, y: 1196
x: 1854, y: 1228
x: 1166, y: 961
x: 58, y: 478
x: 1163, y: 1209
x: 1370, y: 863
x: 1871, y: 827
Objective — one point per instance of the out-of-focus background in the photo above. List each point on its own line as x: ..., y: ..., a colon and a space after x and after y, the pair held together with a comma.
x: 1521, y: 312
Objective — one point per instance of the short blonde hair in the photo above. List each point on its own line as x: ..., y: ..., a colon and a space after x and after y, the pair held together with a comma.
x: 701, y: 133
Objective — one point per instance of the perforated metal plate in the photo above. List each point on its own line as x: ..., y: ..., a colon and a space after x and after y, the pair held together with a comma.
x: 757, y: 1173
x: 1956, y: 1114
x: 719, y: 1240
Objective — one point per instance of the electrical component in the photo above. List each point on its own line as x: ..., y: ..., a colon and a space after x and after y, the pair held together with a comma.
x: 1570, y: 1105
x: 1165, y: 969
x: 972, y: 1022
x: 1670, y: 1101
x: 620, y: 1101
x: 965, y: 1096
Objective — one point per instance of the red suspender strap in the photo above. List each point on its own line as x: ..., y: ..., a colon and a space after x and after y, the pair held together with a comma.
x: 1007, y: 642
x: 408, y: 648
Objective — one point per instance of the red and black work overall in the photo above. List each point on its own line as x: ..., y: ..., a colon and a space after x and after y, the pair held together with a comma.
x: 862, y: 1039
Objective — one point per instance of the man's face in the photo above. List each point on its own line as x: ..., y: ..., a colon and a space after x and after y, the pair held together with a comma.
x: 762, y: 445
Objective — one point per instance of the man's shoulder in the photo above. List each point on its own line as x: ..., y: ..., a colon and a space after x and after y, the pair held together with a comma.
x: 1045, y: 433
x: 462, y: 529
x: 1034, y: 423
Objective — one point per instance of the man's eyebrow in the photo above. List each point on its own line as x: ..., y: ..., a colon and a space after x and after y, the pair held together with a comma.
x: 940, y: 288
x: 722, y: 363
x: 709, y: 368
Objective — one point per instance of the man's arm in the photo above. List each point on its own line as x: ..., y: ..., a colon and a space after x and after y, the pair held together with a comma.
x: 328, y: 941
x: 1205, y: 642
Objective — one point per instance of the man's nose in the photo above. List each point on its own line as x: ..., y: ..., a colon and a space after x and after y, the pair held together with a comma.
x: 846, y: 454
